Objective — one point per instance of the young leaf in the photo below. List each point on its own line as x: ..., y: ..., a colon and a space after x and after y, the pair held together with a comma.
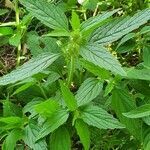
x: 32, y: 67
x: 68, y: 97
x: 100, y: 56
x: 75, y: 21
x: 83, y: 132
x: 30, y: 107
x: 15, y: 39
x: 89, y: 90
x: 98, y: 117
x: 11, y: 139
x: 23, y: 87
x: 113, y: 31
x: 139, y: 112
x: 47, y: 108
x: 10, y: 122
x: 5, y: 31
x: 60, y: 139
x: 47, y: 13
x: 123, y: 102
x: 31, y: 132
x: 52, y: 123
x: 93, y: 22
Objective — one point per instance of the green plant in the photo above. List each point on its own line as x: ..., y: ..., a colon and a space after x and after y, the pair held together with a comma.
x: 54, y: 97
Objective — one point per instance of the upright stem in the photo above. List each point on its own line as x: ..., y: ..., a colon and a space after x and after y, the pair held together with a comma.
x: 18, y: 30
x: 71, y: 71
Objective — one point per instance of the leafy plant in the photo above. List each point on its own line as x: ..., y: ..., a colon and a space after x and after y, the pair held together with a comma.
x: 57, y: 92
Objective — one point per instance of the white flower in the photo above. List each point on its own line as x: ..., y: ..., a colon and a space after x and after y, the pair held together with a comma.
x: 81, y: 1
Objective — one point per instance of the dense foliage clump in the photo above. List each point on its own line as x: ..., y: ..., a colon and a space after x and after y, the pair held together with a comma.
x: 75, y: 74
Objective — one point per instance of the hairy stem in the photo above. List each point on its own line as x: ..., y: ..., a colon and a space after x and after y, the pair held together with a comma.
x: 18, y: 30
x: 71, y: 71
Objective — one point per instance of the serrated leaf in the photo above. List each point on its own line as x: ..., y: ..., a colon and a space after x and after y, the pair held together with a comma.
x: 96, y: 70
x: 11, y: 139
x: 68, y: 97
x: 143, y: 74
x: 60, y: 139
x: 11, y: 109
x: 123, y: 102
x: 30, y: 135
x: 113, y: 31
x: 30, y: 68
x: 38, y: 45
x: 98, y: 117
x: 3, y: 11
x: 93, y: 22
x: 52, y: 123
x: 83, y: 132
x: 139, y: 112
x: 48, y: 13
x: 89, y: 90
x: 47, y: 108
x: 100, y: 56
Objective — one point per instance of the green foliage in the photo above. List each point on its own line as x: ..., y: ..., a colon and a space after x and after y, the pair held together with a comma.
x: 75, y: 75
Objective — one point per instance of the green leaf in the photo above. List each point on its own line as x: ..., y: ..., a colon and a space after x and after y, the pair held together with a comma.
x: 83, y: 132
x: 47, y: 108
x: 68, y: 97
x: 6, y: 31
x: 143, y: 74
x: 139, y: 112
x: 146, y: 137
x: 56, y: 33
x: 15, y: 40
x: 126, y: 38
x: 114, y: 30
x: 10, y: 122
x: 96, y: 70
x: 146, y: 54
x: 52, y: 123
x: 31, y: 132
x: 98, y: 117
x: 123, y: 102
x: 11, y: 109
x: 30, y: 107
x: 23, y: 88
x: 89, y: 90
x: 60, y: 139
x: 145, y: 30
x: 94, y: 22
x: 11, y: 139
x: 30, y: 68
x: 49, y: 14
x: 3, y: 11
x: 75, y: 21
x: 101, y: 57
x: 38, y: 45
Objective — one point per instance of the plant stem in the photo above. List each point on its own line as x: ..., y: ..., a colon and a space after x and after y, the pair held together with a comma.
x: 71, y: 71
x: 18, y: 30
